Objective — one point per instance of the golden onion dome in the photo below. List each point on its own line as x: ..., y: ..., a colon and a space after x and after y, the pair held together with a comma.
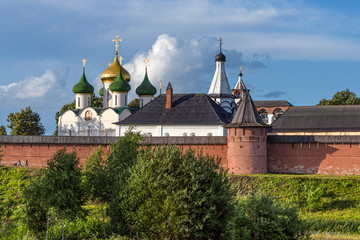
x: 111, y: 73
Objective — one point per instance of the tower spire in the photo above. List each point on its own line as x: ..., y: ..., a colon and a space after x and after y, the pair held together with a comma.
x: 220, y: 40
x: 146, y: 62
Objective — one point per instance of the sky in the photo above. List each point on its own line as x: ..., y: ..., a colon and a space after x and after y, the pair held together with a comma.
x: 299, y: 51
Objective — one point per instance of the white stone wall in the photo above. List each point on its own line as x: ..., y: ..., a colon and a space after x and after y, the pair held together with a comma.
x: 99, y: 125
x: 177, y: 130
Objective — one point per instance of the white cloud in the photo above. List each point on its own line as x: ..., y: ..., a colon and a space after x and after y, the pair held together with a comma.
x: 188, y: 65
x: 41, y: 91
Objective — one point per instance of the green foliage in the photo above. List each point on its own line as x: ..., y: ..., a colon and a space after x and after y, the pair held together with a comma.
x: 61, y: 183
x: 95, y: 102
x: 25, y: 122
x: 3, y: 130
x: 171, y: 195
x: 259, y: 217
x: 122, y: 156
x: 134, y: 103
x: 96, y: 176
x: 344, y: 97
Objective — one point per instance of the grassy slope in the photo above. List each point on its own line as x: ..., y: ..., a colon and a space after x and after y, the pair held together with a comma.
x: 328, y: 203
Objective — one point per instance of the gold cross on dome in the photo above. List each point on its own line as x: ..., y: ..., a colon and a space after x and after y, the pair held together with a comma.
x: 117, y: 40
x: 160, y: 84
x: 84, y: 61
x: 240, y: 68
x: 109, y: 64
x: 146, y: 62
x: 120, y: 59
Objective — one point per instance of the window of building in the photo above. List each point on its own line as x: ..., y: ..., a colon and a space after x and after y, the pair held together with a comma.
x: 88, y: 115
x: 192, y: 134
x: 264, y: 115
x: 116, y: 100
x: 277, y: 113
x: 78, y: 101
x: 209, y: 134
x: 167, y: 134
x: 184, y: 134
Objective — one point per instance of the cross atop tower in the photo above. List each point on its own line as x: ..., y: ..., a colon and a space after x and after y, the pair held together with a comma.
x: 160, y: 85
x: 84, y: 61
x: 220, y: 40
x: 116, y: 40
x: 146, y: 62
x: 120, y: 59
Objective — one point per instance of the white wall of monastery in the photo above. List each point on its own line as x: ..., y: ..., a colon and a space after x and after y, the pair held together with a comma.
x: 177, y: 130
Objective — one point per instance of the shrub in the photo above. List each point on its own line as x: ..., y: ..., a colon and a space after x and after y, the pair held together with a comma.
x: 260, y: 217
x: 171, y: 195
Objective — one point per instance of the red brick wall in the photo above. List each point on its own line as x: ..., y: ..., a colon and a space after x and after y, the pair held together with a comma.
x: 314, y: 158
x: 38, y: 154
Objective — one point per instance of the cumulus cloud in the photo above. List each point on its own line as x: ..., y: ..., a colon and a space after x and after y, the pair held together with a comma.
x: 188, y: 65
x: 42, y: 90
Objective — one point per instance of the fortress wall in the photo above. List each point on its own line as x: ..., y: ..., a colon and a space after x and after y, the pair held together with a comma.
x: 336, y: 155
x: 39, y: 149
x: 339, y: 155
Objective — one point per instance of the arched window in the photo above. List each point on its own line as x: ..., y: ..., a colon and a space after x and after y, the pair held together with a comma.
x: 78, y: 101
x: 192, y: 134
x: 264, y: 115
x: 277, y: 113
x: 184, y: 134
x: 167, y: 134
x: 209, y: 134
x: 116, y: 101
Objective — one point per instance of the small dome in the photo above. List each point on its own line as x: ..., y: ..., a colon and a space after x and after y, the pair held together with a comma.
x: 220, y: 57
x: 83, y: 86
x: 111, y: 73
x: 119, y: 85
x: 101, y: 92
x: 146, y: 88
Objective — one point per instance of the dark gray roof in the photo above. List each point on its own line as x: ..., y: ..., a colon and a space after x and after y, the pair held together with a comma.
x: 319, y: 119
x: 272, y: 103
x: 186, y: 109
x: 246, y: 115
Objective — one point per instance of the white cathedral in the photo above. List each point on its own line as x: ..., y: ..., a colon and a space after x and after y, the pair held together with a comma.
x: 164, y: 115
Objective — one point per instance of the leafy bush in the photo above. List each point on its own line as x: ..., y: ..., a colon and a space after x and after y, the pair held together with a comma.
x: 171, y: 195
x: 260, y: 217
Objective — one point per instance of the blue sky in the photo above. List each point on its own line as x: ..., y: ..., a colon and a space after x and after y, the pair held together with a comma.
x: 300, y: 51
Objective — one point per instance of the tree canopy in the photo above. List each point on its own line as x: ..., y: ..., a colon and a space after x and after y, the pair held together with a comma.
x: 25, y: 122
x: 3, y: 130
x: 135, y: 103
x: 344, y: 97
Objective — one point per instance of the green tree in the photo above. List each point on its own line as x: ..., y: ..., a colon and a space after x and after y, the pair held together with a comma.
x: 134, y: 103
x: 2, y: 130
x: 171, y: 195
x: 96, y: 177
x: 59, y: 187
x: 121, y: 157
x: 344, y: 97
x: 25, y: 122
x: 95, y: 102
x: 259, y: 217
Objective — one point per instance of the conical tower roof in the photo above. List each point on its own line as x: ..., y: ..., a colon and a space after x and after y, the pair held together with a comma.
x: 246, y: 114
x: 119, y: 85
x: 83, y: 86
x: 146, y: 88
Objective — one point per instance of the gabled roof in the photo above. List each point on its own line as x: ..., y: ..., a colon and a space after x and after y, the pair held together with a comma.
x: 319, y: 119
x: 99, y: 111
x: 272, y: 103
x: 186, y: 109
x: 246, y: 115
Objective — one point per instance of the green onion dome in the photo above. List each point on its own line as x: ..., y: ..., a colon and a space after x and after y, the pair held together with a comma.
x: 101, y: 92
x: 146, y: 88
x: 119, y: 85
x: 83, y: 86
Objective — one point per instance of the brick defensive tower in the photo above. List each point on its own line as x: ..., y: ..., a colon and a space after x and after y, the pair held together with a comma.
x: 247, y: 139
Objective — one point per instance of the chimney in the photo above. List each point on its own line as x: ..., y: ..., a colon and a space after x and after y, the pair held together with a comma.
x: 169, y: 93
